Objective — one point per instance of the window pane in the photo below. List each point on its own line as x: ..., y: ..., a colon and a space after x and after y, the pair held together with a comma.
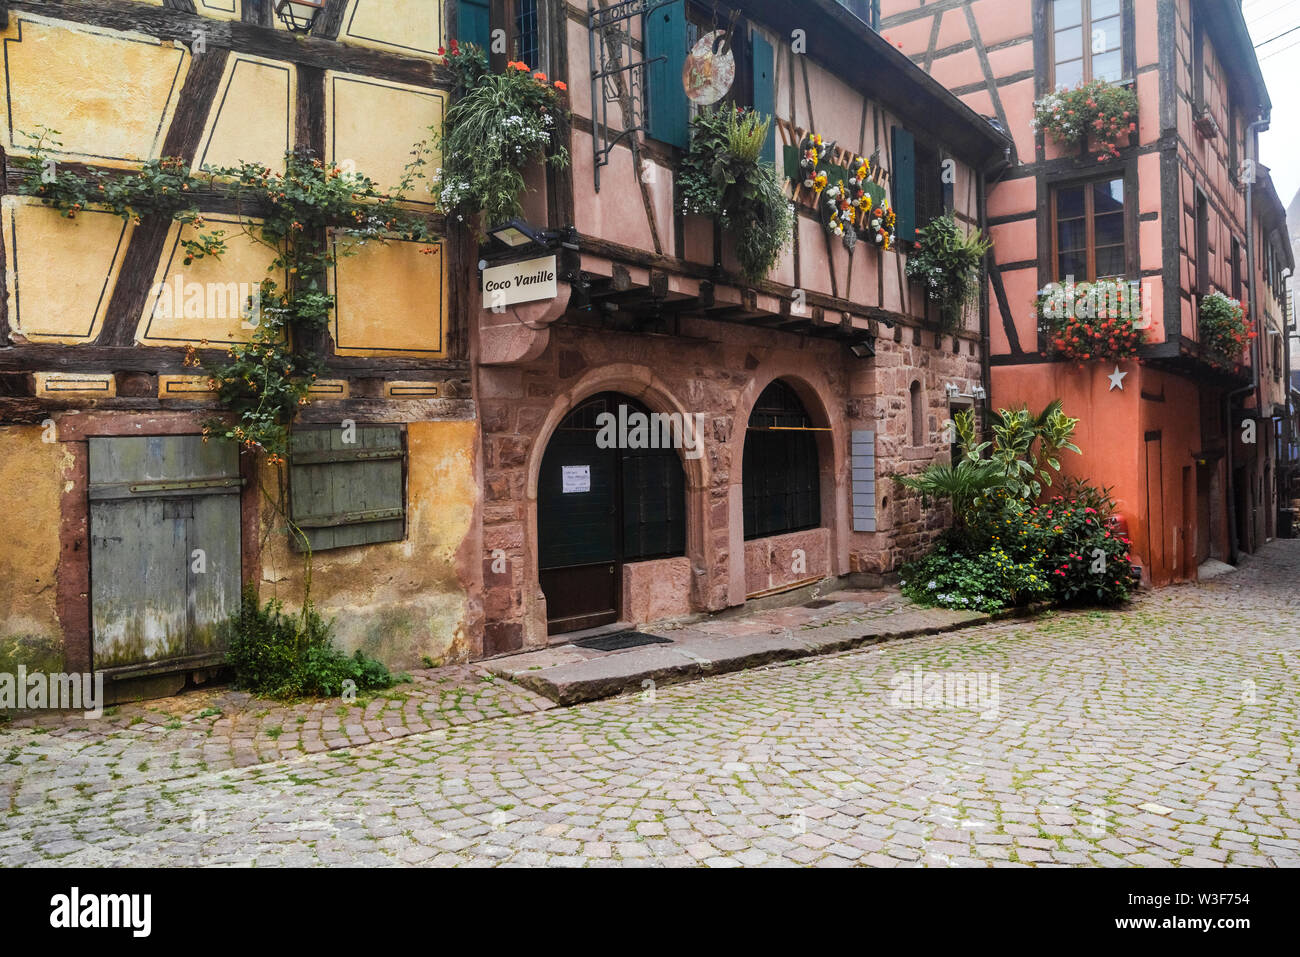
x: 1071, y: 234
x: 1069, y: 44
x: 1069, y: 74
x: 1109, y: 229
x: 1106, y: 35
x: 1073, y: 264
x: 1108, y: 67
x: 1067, y: 13
x: 1069, y: 202
x: 1104, y: 8
x: 1108, y: 197
x: 1110, y: 261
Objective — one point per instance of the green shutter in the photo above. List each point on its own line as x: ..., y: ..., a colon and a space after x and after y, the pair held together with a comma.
x: 474, y: 23
x: 765, y: 88
x: 904, y: 176
x: 668, y: 112
x: 348, y: 493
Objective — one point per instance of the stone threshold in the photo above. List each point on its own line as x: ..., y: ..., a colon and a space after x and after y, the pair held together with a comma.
x: 569, y: 675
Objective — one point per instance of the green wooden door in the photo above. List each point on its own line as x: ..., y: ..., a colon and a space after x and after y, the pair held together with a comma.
x: 164, y: 549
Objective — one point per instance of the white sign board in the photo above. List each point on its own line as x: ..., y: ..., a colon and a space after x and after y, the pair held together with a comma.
x: 515, y: 283
x: 577, y: 478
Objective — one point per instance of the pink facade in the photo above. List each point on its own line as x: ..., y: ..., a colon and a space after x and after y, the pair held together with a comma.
x: 664, y: 320
x: 1168, y: 440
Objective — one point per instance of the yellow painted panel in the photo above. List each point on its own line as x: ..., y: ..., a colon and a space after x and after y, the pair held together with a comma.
x: 375, y: 124
x: 391, y: 300
x: 110, y: 94
x: 205, y: 301
x: 413, y: 27
x: 61, y: 272
x: 252, y: 116
x: 76, y: 385
x: 184, y: 386
x: 218, y: 9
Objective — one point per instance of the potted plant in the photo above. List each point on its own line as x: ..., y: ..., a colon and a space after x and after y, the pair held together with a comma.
x: 1098, y: 112
x: 722, y: 177
x: 946, y: 262
x: 1223, y: 328
x: 499, y: 127
x: 1093, y: 320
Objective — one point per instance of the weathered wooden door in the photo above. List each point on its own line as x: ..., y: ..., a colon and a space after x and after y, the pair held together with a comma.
x: 164, y: 550
x: 599, y: 509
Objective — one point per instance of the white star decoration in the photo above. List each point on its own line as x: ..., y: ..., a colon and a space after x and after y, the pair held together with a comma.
x: 1117, y: 380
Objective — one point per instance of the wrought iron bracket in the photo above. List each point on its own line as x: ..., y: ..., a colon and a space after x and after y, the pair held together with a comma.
x: 617, y: 76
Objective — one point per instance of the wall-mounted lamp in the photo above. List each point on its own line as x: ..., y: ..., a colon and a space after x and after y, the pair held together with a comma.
x: 863, y: 349
x: 299, y: 15
x: 954, y: 392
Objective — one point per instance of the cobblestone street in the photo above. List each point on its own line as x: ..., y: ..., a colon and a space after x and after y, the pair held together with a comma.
x: 1165, y: 734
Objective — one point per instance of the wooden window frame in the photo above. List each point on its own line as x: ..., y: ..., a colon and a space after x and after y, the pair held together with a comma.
x: 1202, y: 225
x: 1090, y: 228
x: 504, y: 16
x: 1085, y: 25
x: 794, y: 429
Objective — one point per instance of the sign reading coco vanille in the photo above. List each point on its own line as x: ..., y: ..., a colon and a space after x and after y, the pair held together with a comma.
x: 514, y: 283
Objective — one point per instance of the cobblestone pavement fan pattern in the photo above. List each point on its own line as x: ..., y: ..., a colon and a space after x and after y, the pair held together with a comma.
x: 59, y: 755
x: 1162, y: 734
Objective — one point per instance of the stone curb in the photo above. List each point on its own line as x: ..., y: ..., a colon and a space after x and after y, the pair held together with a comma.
x: 566, y: 685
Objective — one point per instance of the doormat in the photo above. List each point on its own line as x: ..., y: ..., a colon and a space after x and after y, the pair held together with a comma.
x: 621, y: 640
x: 819, y: 603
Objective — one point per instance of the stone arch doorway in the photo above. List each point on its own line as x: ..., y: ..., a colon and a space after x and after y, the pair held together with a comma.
x: 611, y: 491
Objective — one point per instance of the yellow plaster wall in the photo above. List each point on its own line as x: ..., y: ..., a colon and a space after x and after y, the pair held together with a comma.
x: 60, y: 272
x: 219, y: 9
x: 217, y: 317
x: 412, y: 27
x: 29, y: 541
x: 109, y: 94
x: 252, y: 115
x: 375, y: 124
x: 399, y: 601
x: 391, y: 300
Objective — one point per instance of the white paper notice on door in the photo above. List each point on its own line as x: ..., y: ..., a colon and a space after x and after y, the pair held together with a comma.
x: 577, y: 478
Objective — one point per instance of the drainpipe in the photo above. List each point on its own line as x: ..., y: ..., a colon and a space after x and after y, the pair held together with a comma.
x: 1251, y: 134
x: 1283, y: 474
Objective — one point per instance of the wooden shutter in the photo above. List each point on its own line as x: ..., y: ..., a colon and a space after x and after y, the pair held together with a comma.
x: 764, y: 58
x: 474, y: 25
x: 904, y: 175
x: 668, y: 112
x: 348, y: 493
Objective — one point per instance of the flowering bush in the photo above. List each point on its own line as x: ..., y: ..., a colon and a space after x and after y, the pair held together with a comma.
x: 1223, y: 326
x: 1100, y: 111
x: 1006, y: 547
x: 1066, y: 550
x: 1098, y: 320
x: 722, y: 176
x: 498, y: 126
x: 946, y: 261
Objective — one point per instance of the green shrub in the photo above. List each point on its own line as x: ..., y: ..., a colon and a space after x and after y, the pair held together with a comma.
x: 988, y: 580
x: 290, y: 656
